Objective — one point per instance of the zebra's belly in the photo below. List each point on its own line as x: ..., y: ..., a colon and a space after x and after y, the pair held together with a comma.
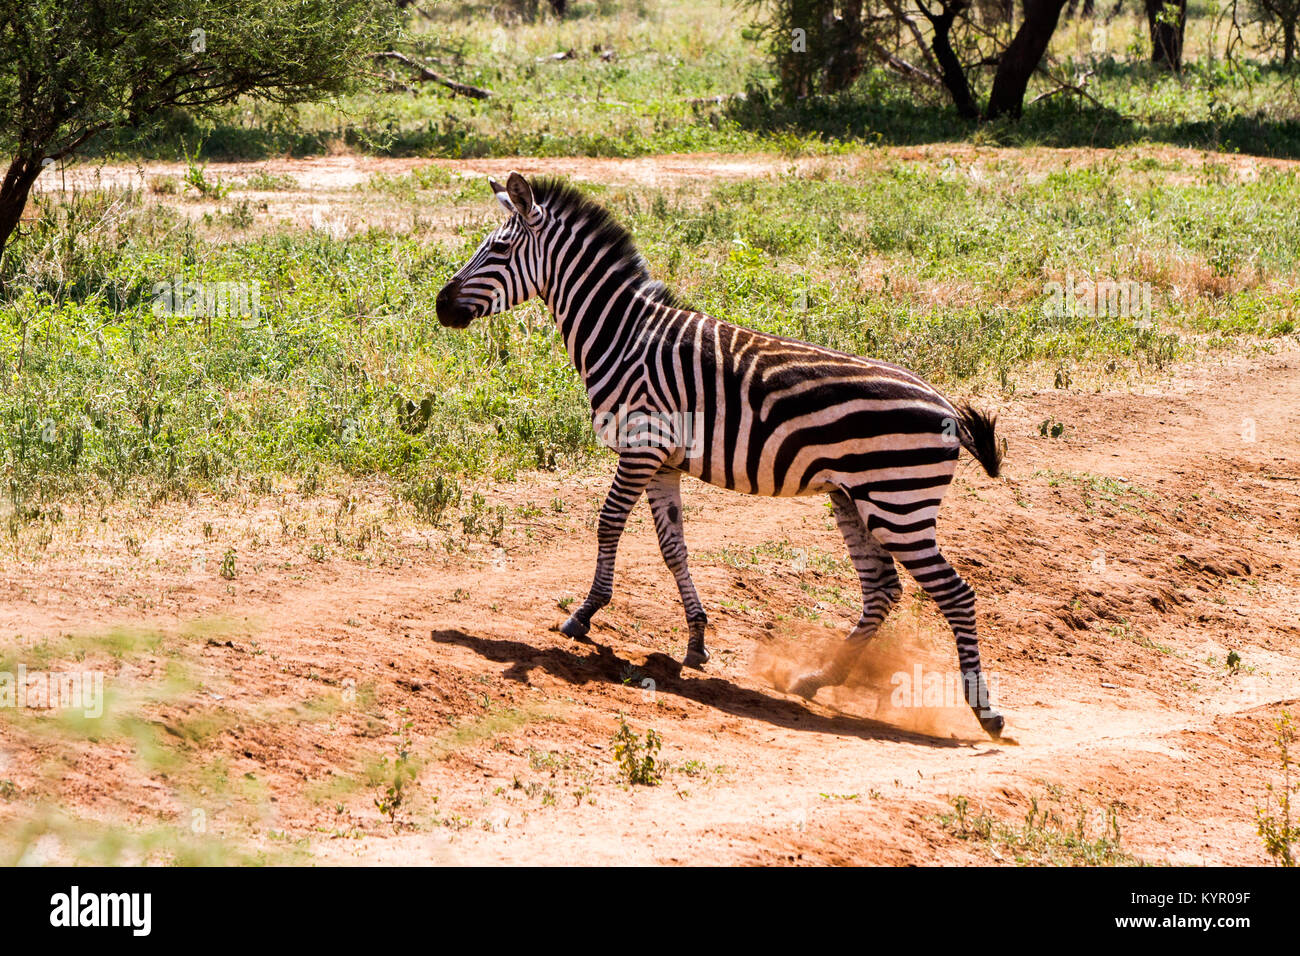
x: 742, y: 484
x: 855, y: 466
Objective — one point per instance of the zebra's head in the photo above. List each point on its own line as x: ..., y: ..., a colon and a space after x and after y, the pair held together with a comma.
x: 502, y: 273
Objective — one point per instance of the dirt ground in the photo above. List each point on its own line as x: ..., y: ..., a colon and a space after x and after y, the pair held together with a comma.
x: 1117, y: 566
x: 331, y: 192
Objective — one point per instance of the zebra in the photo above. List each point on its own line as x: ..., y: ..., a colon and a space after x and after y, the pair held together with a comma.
x: 676, y: 392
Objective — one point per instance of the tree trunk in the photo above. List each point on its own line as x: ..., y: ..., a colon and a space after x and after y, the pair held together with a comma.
x: 950, y: 69
x: 17, y: 184
x: 1167, y: 33
x: 1288, y: 42
x: 844, y: 58
x: 1022, y: 57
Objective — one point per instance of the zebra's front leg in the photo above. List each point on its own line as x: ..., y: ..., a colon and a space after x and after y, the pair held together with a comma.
x: 665, y: 496
x: 635, y: 469
x: 881, y: 589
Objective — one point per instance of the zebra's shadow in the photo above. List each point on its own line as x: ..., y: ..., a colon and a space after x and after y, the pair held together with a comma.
x: 586, y: 662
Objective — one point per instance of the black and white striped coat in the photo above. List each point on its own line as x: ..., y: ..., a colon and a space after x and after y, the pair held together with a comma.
x: 675, y: 391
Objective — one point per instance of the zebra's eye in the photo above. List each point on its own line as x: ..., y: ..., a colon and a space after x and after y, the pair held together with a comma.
x: 500, y: 245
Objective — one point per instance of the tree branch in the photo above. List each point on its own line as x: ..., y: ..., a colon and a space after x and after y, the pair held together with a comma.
x: 1077, y: 88
x: 900, y: 15
x: 464, y: 89
x: 902, y: 66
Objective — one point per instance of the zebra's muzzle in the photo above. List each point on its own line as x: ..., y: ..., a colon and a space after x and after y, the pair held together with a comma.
x: 453, y: 311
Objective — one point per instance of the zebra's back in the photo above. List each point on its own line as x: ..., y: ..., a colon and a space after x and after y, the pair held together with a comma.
x: 775, y: 416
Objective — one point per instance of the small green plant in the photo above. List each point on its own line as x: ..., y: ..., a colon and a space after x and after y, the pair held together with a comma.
x: 198, y: 181
x: 165, y: 185
x: 547, y: 760
x: 427, y: 177
x: 637, y: 761
x: 1234, y: 661
x: 1051, y: 428
x: 240, y: 215
x: 1276, y: 829
x: 262, y: 181
x: 310, y: 482
x: 1045, y: 837
x: 398, y: 774
x: 1125, y: 631
x: 228, y: 564
x: 413, y: 418
x: 482, y: 521
x: 431, y: 498
x: 631, y: 674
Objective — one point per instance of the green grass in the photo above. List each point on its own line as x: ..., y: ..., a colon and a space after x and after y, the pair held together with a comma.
x: 106, y: 399
x: 485, y: 727
x: 78, y: 840
x: 1047, y: 836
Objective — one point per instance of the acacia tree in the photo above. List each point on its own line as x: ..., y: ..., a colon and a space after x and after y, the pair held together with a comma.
x: 1280, y: 19
x: 948, y: 45
x: 73, y: 69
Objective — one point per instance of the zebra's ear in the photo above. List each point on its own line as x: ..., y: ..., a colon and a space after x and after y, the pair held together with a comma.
x: 521, y: 194
x: 502, y: 196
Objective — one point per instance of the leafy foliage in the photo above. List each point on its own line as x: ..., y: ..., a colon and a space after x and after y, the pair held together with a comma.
x: 73, y: 69
x: 636, y: 758
x: 1277, y: 827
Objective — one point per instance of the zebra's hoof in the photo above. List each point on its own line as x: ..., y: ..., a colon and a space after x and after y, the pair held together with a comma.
x: 992, y: 724
x: 806, y: 686
x: 696, y: 657
x: 574, y: 628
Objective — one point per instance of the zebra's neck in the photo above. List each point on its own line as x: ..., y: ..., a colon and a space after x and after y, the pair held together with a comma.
x: 599, y: 300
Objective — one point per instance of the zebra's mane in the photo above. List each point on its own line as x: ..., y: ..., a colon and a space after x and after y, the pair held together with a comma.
x: 562, y: 198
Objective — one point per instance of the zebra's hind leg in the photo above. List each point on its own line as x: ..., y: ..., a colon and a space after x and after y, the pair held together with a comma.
x: 917, y: 550
x: 880, y: 591
x: 634, y: 471
x: 665, y: 496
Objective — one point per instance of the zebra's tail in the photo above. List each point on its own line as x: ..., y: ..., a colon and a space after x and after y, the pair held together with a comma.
x: 979, y: 438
